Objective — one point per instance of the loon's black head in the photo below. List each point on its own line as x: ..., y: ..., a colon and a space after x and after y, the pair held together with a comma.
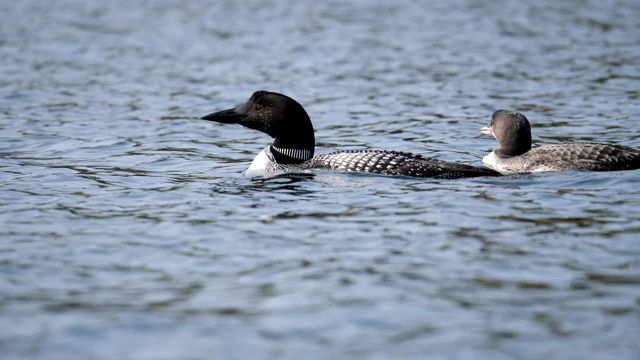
x: 279, y: 116
x: 512, y: 131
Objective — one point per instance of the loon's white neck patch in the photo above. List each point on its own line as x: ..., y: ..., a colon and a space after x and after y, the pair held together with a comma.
x: 261, y: 163
x: 264, y: 164
x: 491, y: 160
x: 300, y: 154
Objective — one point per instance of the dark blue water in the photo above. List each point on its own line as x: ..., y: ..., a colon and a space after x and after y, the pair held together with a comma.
x: 127, y: 230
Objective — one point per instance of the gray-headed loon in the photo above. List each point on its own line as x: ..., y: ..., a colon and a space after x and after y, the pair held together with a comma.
x: 515, y: 155
x: 284, y: 119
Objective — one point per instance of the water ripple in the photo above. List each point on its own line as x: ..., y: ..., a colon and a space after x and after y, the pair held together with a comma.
x: 129, y: 231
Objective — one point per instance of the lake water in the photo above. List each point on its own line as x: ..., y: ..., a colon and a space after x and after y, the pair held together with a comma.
x: 127, y: 230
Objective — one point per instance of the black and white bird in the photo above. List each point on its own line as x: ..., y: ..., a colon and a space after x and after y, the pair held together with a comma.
x: 292, y: 150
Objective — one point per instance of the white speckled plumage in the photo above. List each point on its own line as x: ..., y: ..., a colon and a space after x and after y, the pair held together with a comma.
x: 388, y: 162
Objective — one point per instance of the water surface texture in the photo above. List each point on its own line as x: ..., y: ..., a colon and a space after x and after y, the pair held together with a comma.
x: 127, y: 230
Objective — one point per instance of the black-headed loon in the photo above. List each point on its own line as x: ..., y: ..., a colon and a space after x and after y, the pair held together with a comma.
x: 285, y: 120
x: 515, y: 155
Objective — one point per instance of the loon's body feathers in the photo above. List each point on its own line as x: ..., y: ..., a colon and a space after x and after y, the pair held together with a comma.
x: 292, y: 150
x: 515, y: 155
x: 389, y: 162
x: 560, y: 157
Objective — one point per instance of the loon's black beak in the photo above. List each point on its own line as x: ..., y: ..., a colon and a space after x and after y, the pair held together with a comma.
x: 229, y: 116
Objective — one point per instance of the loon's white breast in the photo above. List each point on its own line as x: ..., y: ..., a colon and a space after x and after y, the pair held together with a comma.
x: 262, y: 164
x: 491, y: 160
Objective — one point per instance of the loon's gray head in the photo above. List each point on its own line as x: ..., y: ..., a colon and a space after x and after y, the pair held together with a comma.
x: 512, y: 131
x: 280, y: 117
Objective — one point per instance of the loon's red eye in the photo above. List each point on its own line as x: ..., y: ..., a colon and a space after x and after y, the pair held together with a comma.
x: 258, y: 107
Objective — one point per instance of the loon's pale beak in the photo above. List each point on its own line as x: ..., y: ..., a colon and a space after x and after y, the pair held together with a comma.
x: 486, y: 130
x: 229, y: 116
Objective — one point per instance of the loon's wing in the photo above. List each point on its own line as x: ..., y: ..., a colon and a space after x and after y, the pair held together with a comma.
x: 593, y: 157
x: 396, y: 163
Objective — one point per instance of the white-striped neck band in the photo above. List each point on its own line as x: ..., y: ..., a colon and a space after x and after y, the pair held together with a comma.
x: 299, y: 154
